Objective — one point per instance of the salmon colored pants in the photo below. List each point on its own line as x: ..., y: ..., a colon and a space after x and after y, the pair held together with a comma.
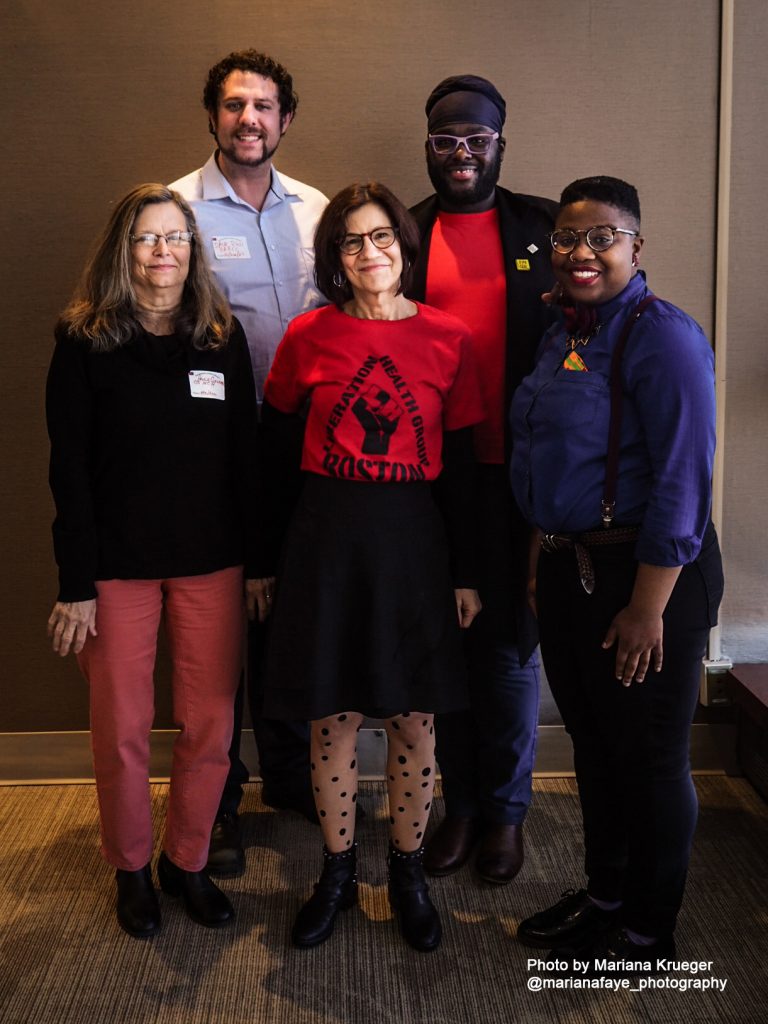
x: 204, y: 622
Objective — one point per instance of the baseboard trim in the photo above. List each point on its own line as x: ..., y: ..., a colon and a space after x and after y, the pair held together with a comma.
x: 58, y: 758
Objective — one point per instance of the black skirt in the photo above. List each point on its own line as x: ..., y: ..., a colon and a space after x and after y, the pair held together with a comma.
x: 365, y: 616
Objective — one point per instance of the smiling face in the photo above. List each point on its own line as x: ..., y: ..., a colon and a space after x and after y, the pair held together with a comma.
x: 466, y: 182
x: 248, y: 125
x: 594, y: 277
x: 158, y: 272
x: 372, y: 271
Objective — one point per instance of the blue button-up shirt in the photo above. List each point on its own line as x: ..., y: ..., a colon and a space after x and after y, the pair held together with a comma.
x: 560, y: 425
x: 263, y: 259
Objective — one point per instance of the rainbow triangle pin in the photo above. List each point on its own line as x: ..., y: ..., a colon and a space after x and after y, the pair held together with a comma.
x: 573, y: 361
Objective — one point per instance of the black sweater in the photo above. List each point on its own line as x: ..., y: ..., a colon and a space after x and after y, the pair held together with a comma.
x: 149, y: 482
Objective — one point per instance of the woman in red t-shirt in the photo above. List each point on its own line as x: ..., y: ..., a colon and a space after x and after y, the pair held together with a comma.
x: 367, y: 615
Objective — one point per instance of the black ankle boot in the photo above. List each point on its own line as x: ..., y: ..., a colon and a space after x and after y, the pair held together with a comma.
x: 409, y: 898
x: 204, y: 902
x: 138, y: 911
x: 336, y: 890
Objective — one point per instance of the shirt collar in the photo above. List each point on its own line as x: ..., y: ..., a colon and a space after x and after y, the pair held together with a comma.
x: 216, y: 186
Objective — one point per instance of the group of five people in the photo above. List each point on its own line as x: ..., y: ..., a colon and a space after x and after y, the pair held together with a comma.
x: 256, y: 391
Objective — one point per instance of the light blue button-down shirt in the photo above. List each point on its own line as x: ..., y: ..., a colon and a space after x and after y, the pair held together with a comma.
x: 263, y: 260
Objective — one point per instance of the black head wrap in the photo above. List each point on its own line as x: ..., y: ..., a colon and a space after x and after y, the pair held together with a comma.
x: 465, y: 98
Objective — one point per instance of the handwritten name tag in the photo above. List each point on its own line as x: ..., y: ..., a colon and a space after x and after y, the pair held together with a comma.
x: 206, y: 384
x: 230, y: 247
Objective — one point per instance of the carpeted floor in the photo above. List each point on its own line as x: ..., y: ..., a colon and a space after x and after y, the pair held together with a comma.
x: 64, y: 960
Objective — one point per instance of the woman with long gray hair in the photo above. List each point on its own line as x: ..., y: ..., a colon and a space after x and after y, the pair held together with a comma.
x: 151, y: 415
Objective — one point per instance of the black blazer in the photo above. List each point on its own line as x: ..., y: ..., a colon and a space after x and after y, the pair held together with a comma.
x: 524, y: 221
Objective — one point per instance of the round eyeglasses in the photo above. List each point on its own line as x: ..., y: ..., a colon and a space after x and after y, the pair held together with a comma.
x: 382, y: 238
x: 598, y: 238
x: 174, y: 239
x: 445, y: 145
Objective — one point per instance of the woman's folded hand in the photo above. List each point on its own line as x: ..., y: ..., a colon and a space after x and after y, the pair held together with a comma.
x: 69, y: 624
x: 258, y: 597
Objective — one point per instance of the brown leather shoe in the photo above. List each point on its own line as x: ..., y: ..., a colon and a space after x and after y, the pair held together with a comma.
x: 450, y: 845
x: 500, y: 855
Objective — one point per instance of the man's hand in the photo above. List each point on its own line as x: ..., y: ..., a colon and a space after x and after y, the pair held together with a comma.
x: 468, y: 606
x: 70, y: 623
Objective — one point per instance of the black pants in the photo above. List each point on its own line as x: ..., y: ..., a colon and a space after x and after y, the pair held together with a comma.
x: 283, y: 746
x: 630, y: 744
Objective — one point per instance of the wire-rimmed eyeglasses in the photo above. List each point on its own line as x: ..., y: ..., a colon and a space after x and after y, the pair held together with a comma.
x: 478, y: 143
x: 382, y: 238
x: 598, y: 238
x: 174, y: 239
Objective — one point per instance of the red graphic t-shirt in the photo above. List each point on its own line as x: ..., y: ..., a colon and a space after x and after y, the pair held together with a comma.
x: 381, y: 391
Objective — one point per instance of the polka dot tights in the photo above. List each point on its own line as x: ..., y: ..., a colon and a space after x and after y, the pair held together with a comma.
x: 410, y: 777
x: 333, y: 754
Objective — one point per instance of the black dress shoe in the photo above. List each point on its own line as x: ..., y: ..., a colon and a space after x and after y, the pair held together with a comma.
x: 138, y: 911
x: 450, y: 845
x: 500, y: 854
x: 204, y: 902
x: 336, y: 890
x: 416, y: 915
x: 614, y: 954
x: 226, y: 856
x: 573, y: 921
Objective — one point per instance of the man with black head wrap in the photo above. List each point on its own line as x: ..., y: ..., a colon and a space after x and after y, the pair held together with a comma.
x: 485, y: 258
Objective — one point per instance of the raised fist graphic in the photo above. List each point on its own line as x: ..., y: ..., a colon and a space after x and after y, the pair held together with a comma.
x: 378, y: 414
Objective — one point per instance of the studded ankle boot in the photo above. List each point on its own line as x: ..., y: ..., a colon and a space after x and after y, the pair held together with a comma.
x: 416, y: 915
x: 336, y: 890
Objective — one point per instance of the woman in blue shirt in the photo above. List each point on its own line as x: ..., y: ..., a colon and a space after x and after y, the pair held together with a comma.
x: 629, y: 577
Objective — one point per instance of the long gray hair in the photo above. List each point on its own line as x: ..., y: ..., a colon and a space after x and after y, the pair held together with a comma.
x: 103, y: 308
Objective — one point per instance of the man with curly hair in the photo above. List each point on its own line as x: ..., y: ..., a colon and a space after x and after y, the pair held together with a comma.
x: 257, y: 227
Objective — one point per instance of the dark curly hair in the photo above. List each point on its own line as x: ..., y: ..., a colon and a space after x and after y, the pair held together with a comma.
x: 259, y: 64
x: 333, y: 226
x: 603, y: 189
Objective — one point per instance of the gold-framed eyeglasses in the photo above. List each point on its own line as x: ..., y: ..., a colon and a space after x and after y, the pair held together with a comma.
x: 598, y: 238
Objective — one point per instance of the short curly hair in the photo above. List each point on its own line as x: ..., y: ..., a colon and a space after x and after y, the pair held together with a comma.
x: 259, y: 64
x: 332, y: 227
x: 601, y: 188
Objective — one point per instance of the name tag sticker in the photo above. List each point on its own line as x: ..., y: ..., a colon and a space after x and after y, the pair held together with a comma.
x: 522, y: 264
x: 206, y: 384
x: 230, y: 247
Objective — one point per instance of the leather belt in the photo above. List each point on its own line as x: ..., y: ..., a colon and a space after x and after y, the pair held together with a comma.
x: 580, y: 543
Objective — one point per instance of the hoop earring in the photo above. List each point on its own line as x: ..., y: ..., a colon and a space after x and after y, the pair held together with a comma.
x: 339, y: 279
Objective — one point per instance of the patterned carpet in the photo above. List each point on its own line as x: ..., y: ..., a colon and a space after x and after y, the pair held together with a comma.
x: 63, y: 959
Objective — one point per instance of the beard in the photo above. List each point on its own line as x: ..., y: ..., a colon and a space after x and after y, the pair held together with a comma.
x: 256, y: 161
x: 455, y: 193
